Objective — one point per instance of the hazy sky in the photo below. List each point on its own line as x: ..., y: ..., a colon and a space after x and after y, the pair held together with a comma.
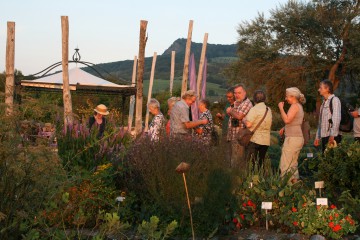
x: 108, y: 30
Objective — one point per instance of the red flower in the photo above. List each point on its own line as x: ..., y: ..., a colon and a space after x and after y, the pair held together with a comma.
x: 235, y: 220
x: 293, y: 209
x: 238, y: 225
x: 331, y: 217
x: 337, y: 228
x: 251, y: 204
x: 242, y: 216
x: 332, y: 206
x: 244, y: 204
x: 351, y: 221
x: 295, y: 223
x: 331, y: 224
x: 336, y: 215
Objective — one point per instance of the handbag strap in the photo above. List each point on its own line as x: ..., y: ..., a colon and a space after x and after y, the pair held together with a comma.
x: 260, y: 120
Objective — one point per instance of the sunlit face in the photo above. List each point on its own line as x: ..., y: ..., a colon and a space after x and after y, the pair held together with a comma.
x: 152, y: 110
x: 323, y: 89
x: 190, y: 100
x: 202, y: 107
x: 230, y: 97
x: 290, y: 99
x: 98, y: 116
x: 239, y: 94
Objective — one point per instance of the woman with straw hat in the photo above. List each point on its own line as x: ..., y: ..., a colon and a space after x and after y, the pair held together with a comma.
x: 98, y: 120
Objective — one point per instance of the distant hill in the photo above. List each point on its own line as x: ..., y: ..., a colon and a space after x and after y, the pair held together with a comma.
x: 219, y: 57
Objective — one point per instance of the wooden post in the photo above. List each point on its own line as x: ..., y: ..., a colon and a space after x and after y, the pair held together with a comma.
x: 172, y: 72
x: 10, y: 62
x: 132, y: 98
x: 140, y: 75
x: 201, y: 66
x: 186, y: 60
x: 150, y: 90
x: 68, y: 115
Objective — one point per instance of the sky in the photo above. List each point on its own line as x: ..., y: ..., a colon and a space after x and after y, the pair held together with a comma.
x: 108, y: 30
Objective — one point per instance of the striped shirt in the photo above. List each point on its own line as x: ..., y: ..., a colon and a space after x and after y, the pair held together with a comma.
x: 325, y: 129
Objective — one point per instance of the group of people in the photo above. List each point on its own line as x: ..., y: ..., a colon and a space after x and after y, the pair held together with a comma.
x: 239, y: 113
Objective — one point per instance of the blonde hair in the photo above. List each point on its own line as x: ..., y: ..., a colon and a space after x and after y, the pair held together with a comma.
x: 294, y: 91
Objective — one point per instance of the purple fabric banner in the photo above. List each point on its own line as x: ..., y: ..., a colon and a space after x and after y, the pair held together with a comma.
x: 192, y: 80
x: 203, y: 88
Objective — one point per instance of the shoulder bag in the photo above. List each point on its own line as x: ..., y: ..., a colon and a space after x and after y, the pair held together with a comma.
x: 245, y: 134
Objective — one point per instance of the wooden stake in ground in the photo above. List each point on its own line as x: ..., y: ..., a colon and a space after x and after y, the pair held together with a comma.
x: 187, y: 59
x: 172, y: 72
x: 182, y: 168
x: 10, y: 62
x: 140, y: 75
x: 201, y: 66
x: 68, y: 113
x: 150, y: 90
x: 132, y: 97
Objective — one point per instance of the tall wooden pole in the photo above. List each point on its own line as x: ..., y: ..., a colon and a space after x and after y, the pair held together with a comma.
x: 187, y: 59
x: 140, y: 75
x: 132, y: 98
x: 150, y: 90
x: 68, y: 114
x: 10, y: 62
x: 201, y: 66
x: 172, y: 72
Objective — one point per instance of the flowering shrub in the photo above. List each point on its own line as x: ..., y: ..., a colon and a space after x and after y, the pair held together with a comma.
x: 79, y: 147
x: 293, y: 207
x: 80, y: 203
x: 327, y: 221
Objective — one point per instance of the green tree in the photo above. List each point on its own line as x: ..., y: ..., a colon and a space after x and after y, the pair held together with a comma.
x: 300, y: 44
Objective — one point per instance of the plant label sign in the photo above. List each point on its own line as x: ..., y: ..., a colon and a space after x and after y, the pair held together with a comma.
x: 310, y: 155
x: 319, y: 184
x: 322, y: 201
x: 266, y: 205
x: 120, y: 199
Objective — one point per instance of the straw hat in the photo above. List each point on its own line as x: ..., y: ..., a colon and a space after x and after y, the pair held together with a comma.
x: 101, y: 109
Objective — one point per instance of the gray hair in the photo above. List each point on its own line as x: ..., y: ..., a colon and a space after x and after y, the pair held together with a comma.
x: 153, y: 103
x: 188, y: 94
x: 294, y: 91
x: 171, y: 101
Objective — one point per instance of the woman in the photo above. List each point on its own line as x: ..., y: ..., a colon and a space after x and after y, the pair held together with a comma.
x: 294, y: 139
x: 204, y: 131
x: 98, y: 120
x: 171, y: 102
x: 156, y: 127
x: 260, y: 141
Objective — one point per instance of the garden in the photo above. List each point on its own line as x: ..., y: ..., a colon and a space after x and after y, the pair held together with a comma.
x: 73, y: 185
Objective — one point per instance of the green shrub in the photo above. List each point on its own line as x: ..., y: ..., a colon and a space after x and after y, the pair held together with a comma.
x: 340, y: 167
x: 160, y: 190
x: 29, y: 175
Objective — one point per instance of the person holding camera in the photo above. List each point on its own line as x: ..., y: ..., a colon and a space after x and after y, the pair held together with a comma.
x: 237, y: 112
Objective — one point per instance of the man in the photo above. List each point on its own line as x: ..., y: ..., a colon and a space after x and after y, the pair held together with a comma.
x: 356, y: 115
x: 180, y: 123
x: 224, y: 116
x: 328, y: 127
x: 237, y: 112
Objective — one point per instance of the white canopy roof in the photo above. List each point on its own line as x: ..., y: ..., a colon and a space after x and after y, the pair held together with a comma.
x: 77, y: 78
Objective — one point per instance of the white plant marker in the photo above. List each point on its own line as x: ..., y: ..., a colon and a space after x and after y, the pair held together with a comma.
x: 319, y: 185
x: 267, y: 206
